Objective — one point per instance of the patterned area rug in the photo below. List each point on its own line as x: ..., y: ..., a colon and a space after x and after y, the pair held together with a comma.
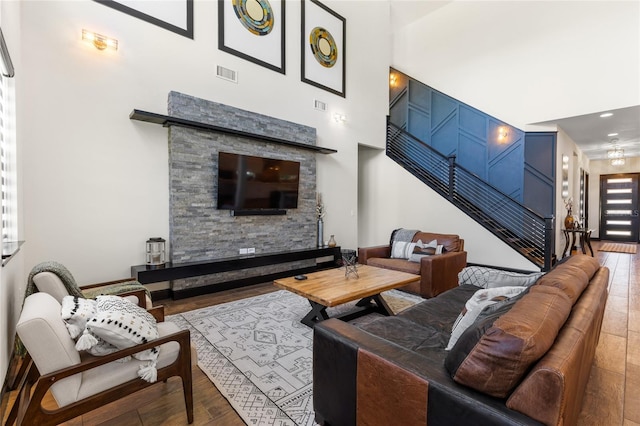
x: 259, y: 355
x: 619, y: 248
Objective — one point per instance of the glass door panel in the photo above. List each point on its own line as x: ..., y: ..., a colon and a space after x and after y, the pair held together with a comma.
x: 619, y: 207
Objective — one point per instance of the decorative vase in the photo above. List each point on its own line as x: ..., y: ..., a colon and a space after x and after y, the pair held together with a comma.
x: 332, y: 242
x: 320, y: 233
x: 569, y: 221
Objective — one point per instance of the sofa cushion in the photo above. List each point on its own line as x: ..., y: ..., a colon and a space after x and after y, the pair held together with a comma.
x: 485, y: 277
x: 572, y: 276
x: 75, y: 313
x: 47, y: 339
x: 440, y: 311
x: 481, y: 300
x: 123, y: 324
x: 426, y: 249
x: 396, y: 264
x: 402, y: 249
x: 423, y: 338
x: 450, y: 242
x: 48, y: 282
x: 517, y: 339
x: 570, y: 279
x: 470, y: 337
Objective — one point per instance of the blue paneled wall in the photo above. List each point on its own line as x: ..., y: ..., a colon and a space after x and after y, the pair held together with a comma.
x: 482, y: 144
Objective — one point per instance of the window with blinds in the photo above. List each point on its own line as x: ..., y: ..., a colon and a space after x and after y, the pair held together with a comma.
x: 7, y: 181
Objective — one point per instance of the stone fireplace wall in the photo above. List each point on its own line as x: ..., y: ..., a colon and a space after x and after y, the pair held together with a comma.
x: 200, y: 232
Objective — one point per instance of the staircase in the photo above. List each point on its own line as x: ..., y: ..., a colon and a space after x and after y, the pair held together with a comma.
x: 525, y: 231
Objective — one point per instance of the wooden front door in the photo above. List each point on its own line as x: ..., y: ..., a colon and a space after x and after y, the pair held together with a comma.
x: 619, y: 219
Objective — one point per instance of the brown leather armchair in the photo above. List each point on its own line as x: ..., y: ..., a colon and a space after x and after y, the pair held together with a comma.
x: 438, y: 272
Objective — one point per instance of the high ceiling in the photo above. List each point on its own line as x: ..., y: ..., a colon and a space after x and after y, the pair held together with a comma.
x: 590, y: 131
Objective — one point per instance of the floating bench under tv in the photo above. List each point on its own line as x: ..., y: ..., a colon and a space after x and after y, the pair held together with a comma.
x: 188, y: 270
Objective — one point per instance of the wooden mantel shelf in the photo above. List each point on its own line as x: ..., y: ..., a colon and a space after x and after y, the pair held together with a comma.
x: 166, y: 121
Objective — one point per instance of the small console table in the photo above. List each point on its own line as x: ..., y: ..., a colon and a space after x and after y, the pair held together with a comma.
x: 171, y: 272
x: 585, y: 240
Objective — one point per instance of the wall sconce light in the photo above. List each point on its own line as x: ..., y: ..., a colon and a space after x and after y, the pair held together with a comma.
x: 339, y: 118
x: 502, y: 133
x: 393, y: 80
x: 100, y: 41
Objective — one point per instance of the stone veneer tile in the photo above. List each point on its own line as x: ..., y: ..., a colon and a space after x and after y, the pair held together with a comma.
x: 198, y: 230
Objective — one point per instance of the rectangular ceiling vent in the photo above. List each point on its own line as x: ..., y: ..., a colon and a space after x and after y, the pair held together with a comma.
x: 319, y: 105
x: 226, y: 74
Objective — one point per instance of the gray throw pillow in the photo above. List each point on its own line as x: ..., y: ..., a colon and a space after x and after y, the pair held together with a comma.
x: 485, y: 277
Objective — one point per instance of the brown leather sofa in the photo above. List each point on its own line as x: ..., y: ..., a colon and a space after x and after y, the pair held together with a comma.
x: 527, y: 364
x: 438, y: 273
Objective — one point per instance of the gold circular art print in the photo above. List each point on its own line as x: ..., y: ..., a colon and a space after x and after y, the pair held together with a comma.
x: 323, y: 46
x: 255, y: 15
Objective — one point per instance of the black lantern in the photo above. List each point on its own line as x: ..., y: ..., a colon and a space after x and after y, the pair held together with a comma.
x: 155, y: 253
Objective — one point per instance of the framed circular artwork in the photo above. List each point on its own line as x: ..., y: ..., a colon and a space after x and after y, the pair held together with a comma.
x: 253, y: 30
x: 323, y: 41
x: 255, y: 15
x: 324, y: 47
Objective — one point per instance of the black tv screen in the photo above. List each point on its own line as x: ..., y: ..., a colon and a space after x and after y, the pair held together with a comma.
x: 247, y: 183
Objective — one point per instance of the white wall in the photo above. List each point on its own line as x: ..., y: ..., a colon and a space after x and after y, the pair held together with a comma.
x: 95, y: 184
x: 527, y: 61
x: 577, y: 160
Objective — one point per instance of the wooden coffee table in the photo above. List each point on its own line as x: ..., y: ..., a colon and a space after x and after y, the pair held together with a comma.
x: 330, y: 288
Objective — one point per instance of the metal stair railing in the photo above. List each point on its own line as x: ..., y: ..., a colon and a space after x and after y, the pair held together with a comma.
x: 518, y: 226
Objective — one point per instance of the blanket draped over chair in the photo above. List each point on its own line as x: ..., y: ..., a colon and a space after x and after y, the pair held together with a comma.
x: 55, y: 268
x: 403, y: 234
x: 73, y: 289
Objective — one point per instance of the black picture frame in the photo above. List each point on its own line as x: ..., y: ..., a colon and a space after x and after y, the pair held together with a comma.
x: 186, y: 32
x: 323, y: 47
x: 262, y: 45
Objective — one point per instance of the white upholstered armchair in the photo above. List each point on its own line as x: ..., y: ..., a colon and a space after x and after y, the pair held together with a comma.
x: 80, y: 382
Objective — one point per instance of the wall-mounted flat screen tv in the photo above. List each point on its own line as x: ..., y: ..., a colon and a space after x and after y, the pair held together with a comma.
x: 249, y: 183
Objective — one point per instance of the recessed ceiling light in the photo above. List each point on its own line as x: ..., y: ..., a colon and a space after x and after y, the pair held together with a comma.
x: 612, y: 134
x: 606, y: 114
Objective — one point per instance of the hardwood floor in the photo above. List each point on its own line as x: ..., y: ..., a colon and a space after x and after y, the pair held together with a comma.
x: 613, y: 391
x: 611, y: 399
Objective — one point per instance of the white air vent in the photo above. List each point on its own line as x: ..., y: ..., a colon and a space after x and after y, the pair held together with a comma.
x: 319, y: 105
x: 226, y: 74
